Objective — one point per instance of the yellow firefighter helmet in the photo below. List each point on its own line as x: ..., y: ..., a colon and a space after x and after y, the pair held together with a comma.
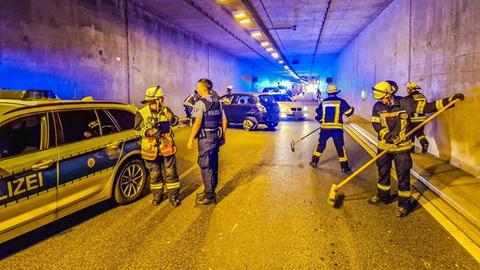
x: 153, y: 93
x: 382, y: 89
x: 413, y: 85
x: 332, y: 89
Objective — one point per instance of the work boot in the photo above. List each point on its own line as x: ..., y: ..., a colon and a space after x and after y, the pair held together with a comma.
x: 314, y: 162
x: 200, y: 195
x: 377, y: 200
x: 174, y: 201
x: 346, y: 169
x: 157, y: 199
x: 424, y: 147
x: 402, y: 212
x: 206, y: 200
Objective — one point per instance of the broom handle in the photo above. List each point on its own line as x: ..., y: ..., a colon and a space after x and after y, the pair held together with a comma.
x: 308, y: 134
x: 361, y: 169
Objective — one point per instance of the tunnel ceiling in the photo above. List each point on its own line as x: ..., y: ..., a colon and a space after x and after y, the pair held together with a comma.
x: 294, y: 25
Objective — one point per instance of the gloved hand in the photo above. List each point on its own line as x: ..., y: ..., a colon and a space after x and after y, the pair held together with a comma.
x: 458, y: 96
x: 390, y: 138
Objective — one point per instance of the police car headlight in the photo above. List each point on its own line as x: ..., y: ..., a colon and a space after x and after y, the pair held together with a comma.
x: 261, y: 108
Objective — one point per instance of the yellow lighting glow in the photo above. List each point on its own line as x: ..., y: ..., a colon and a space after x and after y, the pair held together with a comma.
x: 239, y: 14
x: 256, y: 34
x: 265, y: 44
x: 269, y: 49
x: 275, y: 55
x: 245, y: 21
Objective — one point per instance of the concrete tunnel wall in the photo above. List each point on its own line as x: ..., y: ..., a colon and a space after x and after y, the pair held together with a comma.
x: 80, y: 48
x: 435, y: 43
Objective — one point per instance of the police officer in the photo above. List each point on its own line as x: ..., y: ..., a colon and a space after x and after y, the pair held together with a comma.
x: 329, y: 114
x: 189, y: 103
x: 209, y: 127
x: 391, y: 120
x: 153, y: 124
x: 418, y: 117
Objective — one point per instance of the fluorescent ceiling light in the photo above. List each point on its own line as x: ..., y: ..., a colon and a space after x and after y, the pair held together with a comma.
x: 245, y: 21
x: 275, y: 55
x: 239, y: 14
x: 280, y: 62
x: 269, y: 49
x: 265, y: 44
x: 256, y: 34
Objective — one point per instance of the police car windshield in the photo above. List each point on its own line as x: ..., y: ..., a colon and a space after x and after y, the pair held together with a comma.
x: 283, y: 98
x: 266, y: 99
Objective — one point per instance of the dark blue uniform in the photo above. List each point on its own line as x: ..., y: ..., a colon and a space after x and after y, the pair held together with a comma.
x: 418, y: 117
x: 330, y: 113
x: 209, y: 138
x: 392, y: 122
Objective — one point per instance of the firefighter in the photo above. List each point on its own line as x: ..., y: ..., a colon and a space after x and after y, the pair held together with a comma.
x: 209, y: 127
x: 329, y: 114
x: 418, y: 117
x: 391, y: 120
x: 153, y: 124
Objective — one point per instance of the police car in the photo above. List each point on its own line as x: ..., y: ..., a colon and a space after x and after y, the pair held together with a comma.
x: 57, y: 157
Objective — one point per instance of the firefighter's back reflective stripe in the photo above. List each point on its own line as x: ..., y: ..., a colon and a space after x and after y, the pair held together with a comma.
x: 331, y: 118
x: 149, y: 148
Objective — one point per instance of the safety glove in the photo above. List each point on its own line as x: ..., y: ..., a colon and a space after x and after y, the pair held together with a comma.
x: 390, y: 138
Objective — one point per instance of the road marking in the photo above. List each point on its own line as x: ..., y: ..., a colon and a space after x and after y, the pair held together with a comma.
x: 449, y: 226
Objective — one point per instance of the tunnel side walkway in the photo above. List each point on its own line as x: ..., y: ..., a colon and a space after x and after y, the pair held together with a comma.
x: 450, y: 190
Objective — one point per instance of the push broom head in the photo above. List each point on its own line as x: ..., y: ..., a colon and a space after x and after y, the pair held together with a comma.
x: 292, y: 145
x: 332, y: 195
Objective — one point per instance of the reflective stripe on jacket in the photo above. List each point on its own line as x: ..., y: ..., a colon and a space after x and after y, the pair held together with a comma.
x: 330, y: 112
x: 163, y: 143
x: 395, y: 120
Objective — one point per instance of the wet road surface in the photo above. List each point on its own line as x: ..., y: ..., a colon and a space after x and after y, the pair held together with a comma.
x: 272, y: 214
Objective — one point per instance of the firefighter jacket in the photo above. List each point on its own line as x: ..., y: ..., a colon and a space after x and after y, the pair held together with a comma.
x: 418, y: 116
x: 392, y: 122
x: 161, y: 143
x: 330, y: 112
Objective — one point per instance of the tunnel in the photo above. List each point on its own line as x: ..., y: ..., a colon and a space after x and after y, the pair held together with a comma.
x: 247, y: 90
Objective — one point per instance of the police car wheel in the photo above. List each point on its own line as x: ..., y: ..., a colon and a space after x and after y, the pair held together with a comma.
x: 130, y: 182
x: 249, y: 123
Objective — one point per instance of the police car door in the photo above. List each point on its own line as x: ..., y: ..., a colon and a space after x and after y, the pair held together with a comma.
x: 28, y: 174
x: 85, y: 165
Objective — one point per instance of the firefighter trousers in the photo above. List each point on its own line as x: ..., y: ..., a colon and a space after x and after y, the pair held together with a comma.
x: 420, y: 135
x: 337, y: 136
x: 403, y: 164
x: 208, y: 148
x: 163, y: 173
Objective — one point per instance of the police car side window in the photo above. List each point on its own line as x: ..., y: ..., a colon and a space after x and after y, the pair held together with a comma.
x: 125, y: 119
x: 79, y: 125
x: 107, y: 126
x: 21, y: 136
